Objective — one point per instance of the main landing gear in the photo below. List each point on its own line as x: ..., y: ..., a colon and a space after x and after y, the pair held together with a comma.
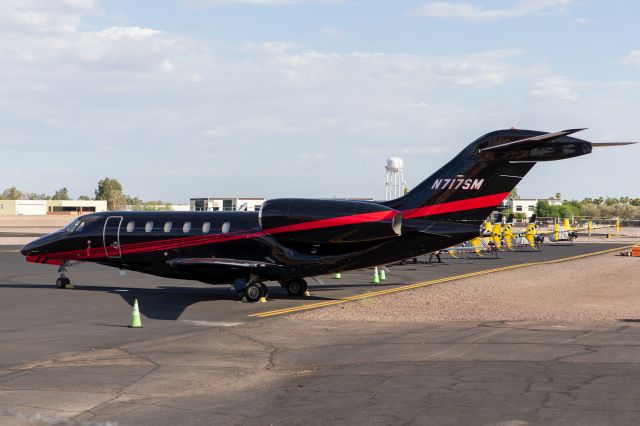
x: 295, y: 286
x: 63, y: 281
x: 252, y: 291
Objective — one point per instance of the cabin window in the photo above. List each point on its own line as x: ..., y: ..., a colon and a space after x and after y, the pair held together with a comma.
x: 167, y: 226
x: 148, y: 227
x: 130, y: 226
x: 79, y: 228
x: 225, y: 227
x: 206, y: 227
x: 186, y: 227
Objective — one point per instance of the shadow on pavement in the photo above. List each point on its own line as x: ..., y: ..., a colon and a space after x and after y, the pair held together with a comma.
x: 168, y: 303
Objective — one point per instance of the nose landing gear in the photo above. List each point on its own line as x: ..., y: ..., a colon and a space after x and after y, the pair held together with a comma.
x: 63, y: 281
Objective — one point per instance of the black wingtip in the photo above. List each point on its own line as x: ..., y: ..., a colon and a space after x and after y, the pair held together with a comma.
x: 570, y: 131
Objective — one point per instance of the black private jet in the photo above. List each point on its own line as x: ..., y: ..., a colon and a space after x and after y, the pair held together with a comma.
x: 290, y: 239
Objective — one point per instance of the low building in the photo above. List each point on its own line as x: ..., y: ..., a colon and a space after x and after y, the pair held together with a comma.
x: 158, y: 207
x: 50, y: 207
x: 23, y: 207
x: 527, y: 205
x: 71, y: 207
x: 226, y: 204
x: 523, y: 205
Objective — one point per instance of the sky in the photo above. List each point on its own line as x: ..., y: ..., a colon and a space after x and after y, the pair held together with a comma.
x: 308, y: 98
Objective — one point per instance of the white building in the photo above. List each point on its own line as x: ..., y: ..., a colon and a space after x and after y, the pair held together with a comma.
x: 523, y: 205
x: 528, y: 205
x: 23, y: 207
x: 158, y: 207
x: 226, y: 204
x: 50, y: 207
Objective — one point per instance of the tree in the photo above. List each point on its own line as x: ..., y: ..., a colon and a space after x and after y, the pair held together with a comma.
x: 513, y: 195
x: 84, y: 198
x: 35, y: 196
x: 543, y: 209
x: 111, y: 191
x: 61, y: 194
x: 12, y: 194
x: 589, y: 209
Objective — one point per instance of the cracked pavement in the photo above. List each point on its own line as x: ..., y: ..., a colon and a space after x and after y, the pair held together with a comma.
x: 67, y: 358
x: 286, y: 371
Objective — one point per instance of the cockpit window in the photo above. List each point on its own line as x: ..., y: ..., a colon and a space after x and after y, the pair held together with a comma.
x: 74, y: 226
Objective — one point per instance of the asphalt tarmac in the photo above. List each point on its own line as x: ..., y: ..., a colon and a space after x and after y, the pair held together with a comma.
x: 201, y: 357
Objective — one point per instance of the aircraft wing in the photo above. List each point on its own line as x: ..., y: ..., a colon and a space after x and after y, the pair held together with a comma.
x: 205, y: 266
x: 199, y: 262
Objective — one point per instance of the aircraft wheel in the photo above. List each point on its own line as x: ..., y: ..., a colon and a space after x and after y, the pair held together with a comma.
x: 253, y: 292
x: 297, y: 287
x: 265, y: 290
x: 62, y: 282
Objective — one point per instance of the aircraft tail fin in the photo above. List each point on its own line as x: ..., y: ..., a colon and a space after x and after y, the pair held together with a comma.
x: 470, y: 186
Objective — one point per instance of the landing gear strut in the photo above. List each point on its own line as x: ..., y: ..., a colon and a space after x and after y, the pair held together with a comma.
x: 295, y: 286
x: 63, y: 281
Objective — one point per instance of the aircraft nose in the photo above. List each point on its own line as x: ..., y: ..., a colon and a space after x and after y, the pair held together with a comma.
x: 27, y: 248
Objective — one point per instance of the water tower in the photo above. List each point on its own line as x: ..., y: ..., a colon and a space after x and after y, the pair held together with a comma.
x: 394, y: 185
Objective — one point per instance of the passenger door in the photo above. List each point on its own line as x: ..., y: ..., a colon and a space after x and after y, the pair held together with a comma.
x: 111, y: 236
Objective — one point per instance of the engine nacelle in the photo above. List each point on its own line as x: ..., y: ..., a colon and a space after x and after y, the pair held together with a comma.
x: 328, y: 221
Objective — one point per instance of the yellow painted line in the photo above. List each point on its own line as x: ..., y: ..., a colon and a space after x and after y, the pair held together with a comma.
x: 425, y: 284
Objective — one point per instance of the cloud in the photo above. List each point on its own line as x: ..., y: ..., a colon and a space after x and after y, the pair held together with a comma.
x: 469, y: 12
x: 263, y: 2
x: 143, y: 99
x: 269, y: 118
x: 331, y: 31
x: 579, y: 21
x: 556, y: 88
x: 43, y: 16
x: 632, y: 58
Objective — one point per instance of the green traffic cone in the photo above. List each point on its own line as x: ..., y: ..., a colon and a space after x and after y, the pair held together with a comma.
x: 337, y: 276
x: 135, y: 316
x: 376, y: 276
x: 383, y: 275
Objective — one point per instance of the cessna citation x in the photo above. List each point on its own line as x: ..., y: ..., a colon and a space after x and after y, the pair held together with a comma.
x: 291, y: 238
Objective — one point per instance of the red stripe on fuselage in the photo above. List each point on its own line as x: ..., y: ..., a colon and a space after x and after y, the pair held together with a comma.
x: 173, y: 243
x: 335, y: 221
x: 456, y: 206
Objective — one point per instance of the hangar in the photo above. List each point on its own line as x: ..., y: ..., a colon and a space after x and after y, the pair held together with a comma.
x: 50, y: 207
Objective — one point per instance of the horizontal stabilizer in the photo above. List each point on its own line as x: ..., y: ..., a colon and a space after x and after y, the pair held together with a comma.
x: 606, y: 144
x: 529, y: 141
